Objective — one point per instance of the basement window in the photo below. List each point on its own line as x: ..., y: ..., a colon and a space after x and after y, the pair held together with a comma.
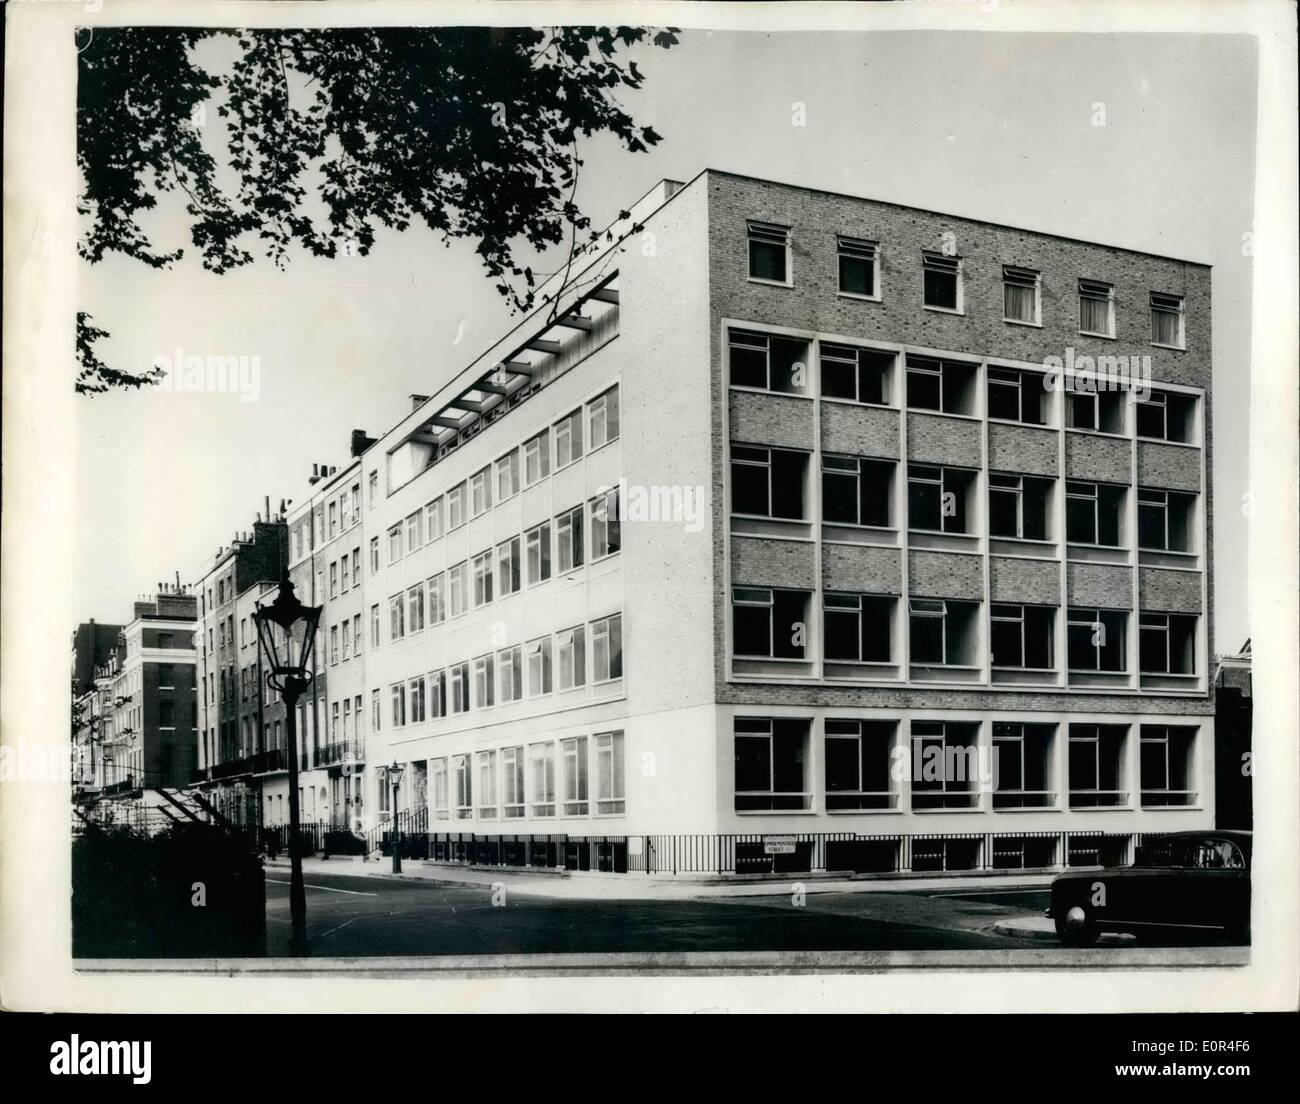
x: 767, y: 362
x: 942, y: 288
x: 1021, y: 636
x: 769, y: 252
x: 768, y: 482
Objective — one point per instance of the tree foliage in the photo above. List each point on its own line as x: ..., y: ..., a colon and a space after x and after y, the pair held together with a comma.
x: 316, y: 139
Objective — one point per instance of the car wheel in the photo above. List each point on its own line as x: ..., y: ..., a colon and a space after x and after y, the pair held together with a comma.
x: 1075, y: 927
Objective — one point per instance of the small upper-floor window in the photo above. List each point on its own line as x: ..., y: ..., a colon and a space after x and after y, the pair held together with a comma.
x: 456, y: 507
x: 769, y: 252
x: 374, y: 488
x: 537, y: 458
x: 480, y: 492
x: 507, y: 472
x: 768, y: 362
x: 568, y: 439
x: 859, y: 267
x: 1096, y: 308
x: 395, y: 544
x: 1020, y: 299
x: 942, y: 281
x: 1167, y: 320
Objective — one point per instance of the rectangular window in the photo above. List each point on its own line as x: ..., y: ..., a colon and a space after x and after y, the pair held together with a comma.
x: 1166, y: 644
x: 607, y: 648
x: 606, y: 526
x: 571, y: 646
x: 398, y: 695
x: 487, y: 784
x: 376, y: 710
x: 770, y: 764
x: 857, y: 491
x: 1099, y: 411
x: 510, y: 673
x: 508, y: 567
x: 374, y: 626
x: 480, y: 493
x: 1015, y: 396
x: 858, y: 375
x: 1019, y: 506
x: 415, y: 531
x: 946, y: 386
x: 1096, y: 766
x: 1024, y: 765
x: 768, y: 362
x: 937, y: 498
x: 374, y: 488
x: 769, y: 252
x: 484, y: 683
x: 1096, y: 308
x: 415, y: 608
x: 858, y: 628
x: 1093, y: 512
x: 1166, y: 416
x: 512, y: 782
x: 1166, y: 765
x: 334, y: 519
x: 347, y: 639
x: 858, y: 267
x: 437, y: 695
x: 482, y: 579
x: 440, y: 796
x: 460, y: 688
x: 953, y: 749
x: 456, y: 507
x: 541, y: 768
x: 458, y: 589
x: 539, y: 666
x: 438, y: 599
x: 463, y: 775
x: 374, y: 555
x: 416, y: 700
x: 769, y: 624
x: 574, y: 752
x: 568, y: 529
x: 857, y: 764
x: 942, y: 281
x: 507, y: 473
x: 537, y: 458
x: 394, y: 544
x: 1165, y: 520
x: 537, y: 546
x: 611, y: 794
x: 1021, y: 636
x: 356, y: 567
x: 1167, y: 320
x: 396, y: 618
x: 1020, y: 294
x: 334, y: 587
x: 942, y: 631
x: 433, y: 520
x: 602, y: 419
x: 1096, y: 639
x: 568, y: 439
x: 768, y: 482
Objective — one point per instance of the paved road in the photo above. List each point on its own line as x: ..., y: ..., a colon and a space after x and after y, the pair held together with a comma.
x: 360, y: 916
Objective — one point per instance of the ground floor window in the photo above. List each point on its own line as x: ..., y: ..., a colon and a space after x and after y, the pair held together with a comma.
x: 946, y: 768
x: 771, y: 764
x: 1167, y: 756
x: 1097, y: 766
x: 1023, y: 765
x: 858, y: 764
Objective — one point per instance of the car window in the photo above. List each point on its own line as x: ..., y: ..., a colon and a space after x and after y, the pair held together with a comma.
x: 1217, y: 855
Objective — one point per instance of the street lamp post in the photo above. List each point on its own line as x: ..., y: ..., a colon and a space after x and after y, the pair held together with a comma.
x: 286, y: 630
x: 395, y: 780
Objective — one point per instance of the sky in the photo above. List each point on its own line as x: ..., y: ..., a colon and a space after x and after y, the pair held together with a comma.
x: 991, y: 126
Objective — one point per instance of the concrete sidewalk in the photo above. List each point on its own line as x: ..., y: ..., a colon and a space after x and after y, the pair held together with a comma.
x: 637, y: 887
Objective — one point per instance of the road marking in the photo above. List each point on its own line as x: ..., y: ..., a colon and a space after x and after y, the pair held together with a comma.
x: 988, y: 892
x: 327, y: 889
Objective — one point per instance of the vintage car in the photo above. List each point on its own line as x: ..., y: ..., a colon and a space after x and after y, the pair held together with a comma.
x: 1192, y: 881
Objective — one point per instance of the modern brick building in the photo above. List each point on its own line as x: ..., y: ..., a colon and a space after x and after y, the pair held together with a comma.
x: 784, y: 499
x: 796, y: 531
